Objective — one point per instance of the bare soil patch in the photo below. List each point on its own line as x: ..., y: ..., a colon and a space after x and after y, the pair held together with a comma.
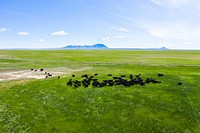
x: 28, y: 74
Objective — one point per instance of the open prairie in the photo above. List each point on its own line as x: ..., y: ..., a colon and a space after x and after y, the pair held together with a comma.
x: 30, y: 102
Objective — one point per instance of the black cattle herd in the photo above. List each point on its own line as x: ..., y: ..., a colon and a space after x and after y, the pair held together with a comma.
x: 124, y: 80
x: 47, y: 74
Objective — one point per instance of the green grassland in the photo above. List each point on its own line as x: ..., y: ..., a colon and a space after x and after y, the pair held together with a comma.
x: 48, y: 105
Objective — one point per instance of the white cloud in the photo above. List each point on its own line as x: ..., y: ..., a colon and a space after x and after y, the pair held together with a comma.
x: 164, y: 42
x: 172, y: 3
x: 156, y: 2
x: 188, y: 42
x: 173, y: 31
x: 123, y: 29
x: 24, y: 33
x: 106, y: 39
x: 41, y: 40
x: 3, y: 29
x: 159, y: 31
x: 119, y: 37
x: 59, y: 33
x: 120, y: 29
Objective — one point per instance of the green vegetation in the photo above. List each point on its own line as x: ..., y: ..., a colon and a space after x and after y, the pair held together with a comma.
x: 48, y: 105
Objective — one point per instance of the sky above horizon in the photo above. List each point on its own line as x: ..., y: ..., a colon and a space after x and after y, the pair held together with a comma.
x: 174, y: 24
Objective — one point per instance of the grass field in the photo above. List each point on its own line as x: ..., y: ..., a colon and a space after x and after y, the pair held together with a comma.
x: 48, y: 105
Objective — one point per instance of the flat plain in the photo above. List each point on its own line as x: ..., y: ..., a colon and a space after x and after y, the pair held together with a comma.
x: 49, y: 105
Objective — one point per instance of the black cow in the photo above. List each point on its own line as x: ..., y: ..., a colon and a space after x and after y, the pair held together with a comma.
x: 180, y: 83
x: 160, y: 75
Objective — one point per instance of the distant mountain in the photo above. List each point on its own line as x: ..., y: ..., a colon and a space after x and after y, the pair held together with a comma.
x: 162, y: 48
x: 95, y: 46
x: 102, y: 46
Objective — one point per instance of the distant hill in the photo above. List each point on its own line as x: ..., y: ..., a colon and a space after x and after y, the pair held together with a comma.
x: 162, y: 48
x: 95, y: 46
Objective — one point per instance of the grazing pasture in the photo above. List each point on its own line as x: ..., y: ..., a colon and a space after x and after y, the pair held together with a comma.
x: 50, y: 104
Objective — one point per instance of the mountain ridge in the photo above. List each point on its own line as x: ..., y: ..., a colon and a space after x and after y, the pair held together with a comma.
x: 103, y: 46
x: 95, y: 46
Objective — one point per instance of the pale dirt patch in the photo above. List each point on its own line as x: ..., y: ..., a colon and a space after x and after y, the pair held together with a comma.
x: 28, y: 74
x: 4, y: 56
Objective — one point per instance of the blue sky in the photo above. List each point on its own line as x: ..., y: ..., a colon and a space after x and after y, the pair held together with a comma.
x: 117, y: 23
